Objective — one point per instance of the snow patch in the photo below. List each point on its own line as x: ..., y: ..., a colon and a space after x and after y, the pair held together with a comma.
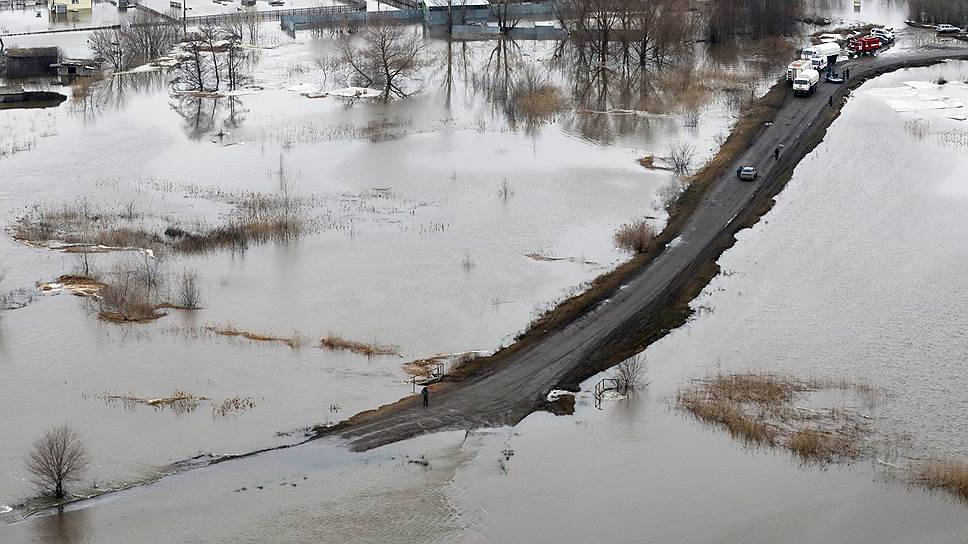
x: 556, y: 394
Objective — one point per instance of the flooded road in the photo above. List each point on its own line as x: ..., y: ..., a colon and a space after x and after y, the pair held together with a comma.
x: 388, y: 266
x: 412, y: 244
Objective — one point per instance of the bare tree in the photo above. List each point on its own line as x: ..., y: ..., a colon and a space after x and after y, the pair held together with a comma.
x: 242, y: 25
x: 629, y: 375
x: 681, y: 156
x: 141, y: 37
x: 189, y: 294
x: 234, y: 62
x: 500, y: 9
x: 193, y: 74
x: 210, y: 38
x: 58, y: 459
x: 388, y: 54
x: 107, y: 44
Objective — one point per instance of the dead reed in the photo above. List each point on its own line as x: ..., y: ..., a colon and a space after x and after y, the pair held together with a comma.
x: 636, y: 236
x: 258, y: 218
x: 944, y: 475
x: 295, y: 340
x: 336, y: 342
x: 758, y: 409
x: 233, y: 405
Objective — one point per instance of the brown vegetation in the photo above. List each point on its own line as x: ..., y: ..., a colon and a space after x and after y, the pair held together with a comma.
x: 336, y: 342
x: 258, y: 218
x: 821, y: 445
x: 179, y: 401
x: 233, y: 405
x: 944, y: 475
x: 635, y: 237
x: 758, y: 409
x: 294, y: 341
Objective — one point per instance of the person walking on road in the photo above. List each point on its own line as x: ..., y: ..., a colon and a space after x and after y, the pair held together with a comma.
x: 846, y: 74
x: 776, y: 154
x: 425, y: 393
x: 830, y: 100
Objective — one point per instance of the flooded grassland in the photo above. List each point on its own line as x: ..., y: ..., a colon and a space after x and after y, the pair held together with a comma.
x: 328, y: 241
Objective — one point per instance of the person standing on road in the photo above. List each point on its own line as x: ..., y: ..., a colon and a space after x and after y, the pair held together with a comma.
x: 776, y: 154
x: 830, y: 100
x: 425, y: 393
x: 846, y: 74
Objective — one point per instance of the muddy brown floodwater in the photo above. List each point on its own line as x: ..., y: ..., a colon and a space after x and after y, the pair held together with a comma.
x: 417, y: 248
x: 438, y: 224
x: 636, y: 471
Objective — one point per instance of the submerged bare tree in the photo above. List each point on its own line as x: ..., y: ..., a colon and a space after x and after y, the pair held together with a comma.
x: 189, y: 294
x: 387, y: 54
x: 629, y: 375
x: 194, y: 73
x: 751, y: 18
x: 141, y: 37
x: 681, y: 155
x: 58, y: 459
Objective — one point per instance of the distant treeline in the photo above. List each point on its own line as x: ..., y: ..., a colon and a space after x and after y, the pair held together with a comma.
x: 940, y: 11
x: 753, y: 18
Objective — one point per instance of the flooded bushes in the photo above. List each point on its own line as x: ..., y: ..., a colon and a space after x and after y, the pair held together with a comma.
x: 336, y: 342
x: 294, y: 341
x: 258, y: 218
x: 949, y: 476
x: 629, y: 375
x: 636, y: 236
x: 189, y: 293
x: 758, y: 409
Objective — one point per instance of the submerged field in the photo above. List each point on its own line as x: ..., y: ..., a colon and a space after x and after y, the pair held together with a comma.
x: 329, y: 241
x: 334, y: 242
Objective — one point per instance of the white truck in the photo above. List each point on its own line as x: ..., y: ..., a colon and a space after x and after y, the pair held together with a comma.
x: 794, y: 69
x: 806, y: 83
x: 821, y: 55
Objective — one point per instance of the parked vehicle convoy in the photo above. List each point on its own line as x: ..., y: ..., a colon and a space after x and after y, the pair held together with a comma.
x: 947, y: 29
x: 867, y: 45
x: 818, y: 63
x: 795, y: 67
x: 806, y: 83
x: 830, y: 51
x: 886, y: 34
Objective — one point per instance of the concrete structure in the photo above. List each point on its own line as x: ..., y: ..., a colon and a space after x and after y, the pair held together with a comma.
x: 69, y: 5
x: 434, y: 14
x: 30, y: 61
x: 68, y: 69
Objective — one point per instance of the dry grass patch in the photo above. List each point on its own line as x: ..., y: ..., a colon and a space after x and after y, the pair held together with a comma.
x: 233, y: 405
x: 179, y: 401
x: 760, y: 409
x: 636, y: 237
x: 944, y: 475
x: 540, y: 103
x: 83, y: 227
x: 821, y: 445
x: 294, y: 341
x: 335, y: 342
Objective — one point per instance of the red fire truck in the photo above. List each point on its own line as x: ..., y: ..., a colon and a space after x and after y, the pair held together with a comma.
x: 866, y: 45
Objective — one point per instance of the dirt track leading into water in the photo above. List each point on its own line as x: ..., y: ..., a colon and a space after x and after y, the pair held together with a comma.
x: 635, y: 310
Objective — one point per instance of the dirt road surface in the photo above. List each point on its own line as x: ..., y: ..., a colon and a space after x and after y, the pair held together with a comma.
x: 518, y: 385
